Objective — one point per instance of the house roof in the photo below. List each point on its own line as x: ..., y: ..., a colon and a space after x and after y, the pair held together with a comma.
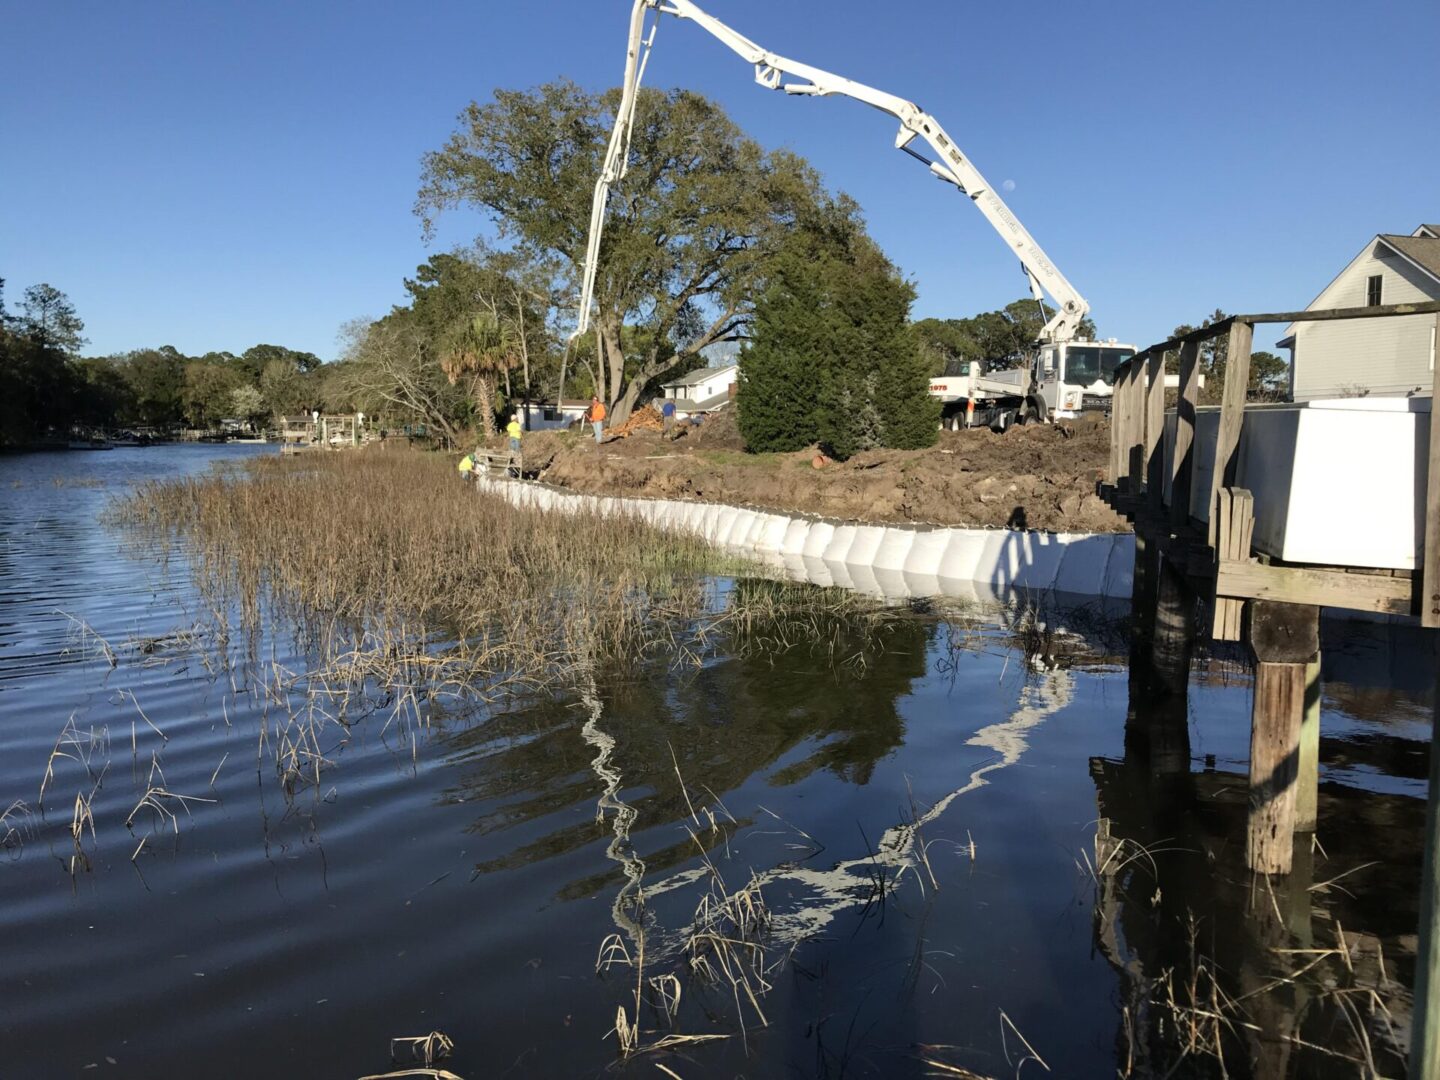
x: 1423, y: 251
x: 700, y: 375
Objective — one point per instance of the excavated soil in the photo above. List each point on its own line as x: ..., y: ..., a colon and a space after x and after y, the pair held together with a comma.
x: 1035, y: 477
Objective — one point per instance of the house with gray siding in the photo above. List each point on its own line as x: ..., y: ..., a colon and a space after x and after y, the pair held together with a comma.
x: 1384, y: 357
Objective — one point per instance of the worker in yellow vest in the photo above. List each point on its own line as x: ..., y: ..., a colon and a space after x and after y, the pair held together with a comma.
x: 514, y: 431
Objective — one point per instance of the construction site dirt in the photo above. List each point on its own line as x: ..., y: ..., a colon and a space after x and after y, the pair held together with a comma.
x: 1034, y: 477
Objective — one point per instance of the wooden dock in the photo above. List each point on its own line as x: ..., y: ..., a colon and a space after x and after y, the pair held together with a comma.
x: 1207, y: 578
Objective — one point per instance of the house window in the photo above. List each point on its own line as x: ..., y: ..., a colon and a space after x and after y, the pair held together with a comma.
x: 1372, y: 290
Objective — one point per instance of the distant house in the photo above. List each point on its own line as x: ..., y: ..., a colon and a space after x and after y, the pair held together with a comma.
x: 702, y: 391
x: 539, y: 415
x: 1385, y: 357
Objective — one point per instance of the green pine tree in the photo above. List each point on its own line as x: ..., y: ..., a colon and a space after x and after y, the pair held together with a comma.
x: 832, y: 357
x: 778, y: 377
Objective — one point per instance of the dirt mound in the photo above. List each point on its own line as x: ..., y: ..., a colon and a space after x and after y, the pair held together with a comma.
x: 1038, y: 477
x: 720, y: 431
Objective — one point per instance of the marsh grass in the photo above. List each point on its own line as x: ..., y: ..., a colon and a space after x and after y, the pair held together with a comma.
x: 394, y: 567
x: 407, y: 595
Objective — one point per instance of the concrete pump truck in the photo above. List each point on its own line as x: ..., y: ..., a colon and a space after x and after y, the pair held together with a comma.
x: 1063, y: 375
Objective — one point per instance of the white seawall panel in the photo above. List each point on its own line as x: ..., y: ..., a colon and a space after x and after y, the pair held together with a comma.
x: 893, y: 561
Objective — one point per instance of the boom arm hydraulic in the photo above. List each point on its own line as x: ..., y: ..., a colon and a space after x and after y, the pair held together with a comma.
x: 770, y: 68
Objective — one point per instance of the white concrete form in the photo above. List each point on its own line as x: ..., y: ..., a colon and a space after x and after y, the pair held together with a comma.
x: 893, y: 561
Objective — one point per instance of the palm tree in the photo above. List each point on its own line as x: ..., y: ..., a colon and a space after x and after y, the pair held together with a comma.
x: 475, y: 350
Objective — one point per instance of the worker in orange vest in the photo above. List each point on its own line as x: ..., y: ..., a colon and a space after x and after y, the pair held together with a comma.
x: 596, y: 416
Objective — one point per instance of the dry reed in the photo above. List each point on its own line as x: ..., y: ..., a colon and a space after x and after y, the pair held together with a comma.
x: 397, y: 570
x: 17, y: 824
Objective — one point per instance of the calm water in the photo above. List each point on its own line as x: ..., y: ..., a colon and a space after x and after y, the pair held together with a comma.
x: 465, y: 876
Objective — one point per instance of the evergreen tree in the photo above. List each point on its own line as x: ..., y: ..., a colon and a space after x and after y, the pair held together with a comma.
x: 780, y: 370
x: 832, y: 359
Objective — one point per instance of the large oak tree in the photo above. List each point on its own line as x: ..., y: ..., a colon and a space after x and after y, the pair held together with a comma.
x: 688, y: 230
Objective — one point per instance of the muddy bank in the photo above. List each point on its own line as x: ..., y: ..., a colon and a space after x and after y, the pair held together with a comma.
x: 1032, y: 477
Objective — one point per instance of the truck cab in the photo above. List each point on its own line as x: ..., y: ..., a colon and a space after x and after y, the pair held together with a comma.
x: 1061, y: 381
x: 1077, y: 376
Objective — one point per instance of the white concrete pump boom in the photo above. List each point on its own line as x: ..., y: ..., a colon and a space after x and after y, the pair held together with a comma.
x: 952, y: 166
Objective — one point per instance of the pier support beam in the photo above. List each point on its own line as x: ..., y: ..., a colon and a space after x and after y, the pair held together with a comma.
x: 1307, y: 783
x: 1174, y: 633
x: 1142, y: 602
x: 1285, y: 638
x: 1425, y: 1037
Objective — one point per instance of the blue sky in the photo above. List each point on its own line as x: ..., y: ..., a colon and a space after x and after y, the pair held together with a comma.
x: 214, y: 175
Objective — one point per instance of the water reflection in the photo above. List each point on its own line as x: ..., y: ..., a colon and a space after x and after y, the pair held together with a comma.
x: 1228, y: 973
x: 451, y: 871
x: 827, y: 703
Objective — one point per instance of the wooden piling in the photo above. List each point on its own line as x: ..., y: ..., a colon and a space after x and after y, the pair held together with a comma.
x: 1142, y: 601
x: 1155, y: 434
x: 1182, y: 461
x: 1174, y: 629
x: 1232, y: 416
x: 1307, y: 781
x: 1430, y: 545
x: 1425, y: 1036
x: 1284, y: 638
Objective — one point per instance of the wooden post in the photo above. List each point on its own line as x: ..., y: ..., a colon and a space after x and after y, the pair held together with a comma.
x: 1425, y: 1040
x: 1137, y: 454
x: 1142, y: 600
x: 1134, y: 423
x: 1425, y: 1036
x: 1155, y: 433
x: 1121, y: 419
x: 1232, y: 415
x: 1284, y: 638
x: 1117, y: 415
x: 1430, y: 580
x: 1182, y: 463
x: 1232, y: 533
x: 1174, y: 633
x: 1307, y: 782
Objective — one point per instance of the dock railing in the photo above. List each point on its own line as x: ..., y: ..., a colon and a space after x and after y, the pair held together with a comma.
x: 1221, y: 547
x: 1182, y: 563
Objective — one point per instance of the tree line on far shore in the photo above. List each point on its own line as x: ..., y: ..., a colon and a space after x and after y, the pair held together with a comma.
x: 47, y: 388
